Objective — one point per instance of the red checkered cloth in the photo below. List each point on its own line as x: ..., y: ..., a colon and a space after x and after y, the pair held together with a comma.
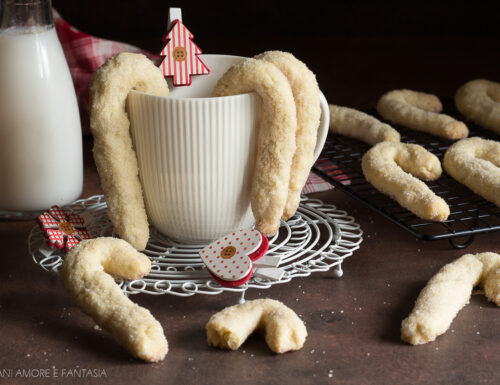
x: 86, y: 53
x: 315, y: 183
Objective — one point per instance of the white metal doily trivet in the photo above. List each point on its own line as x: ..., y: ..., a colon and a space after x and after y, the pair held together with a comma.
x: 317, y: 238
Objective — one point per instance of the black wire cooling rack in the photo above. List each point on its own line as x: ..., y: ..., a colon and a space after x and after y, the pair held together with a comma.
x: 340, y: 164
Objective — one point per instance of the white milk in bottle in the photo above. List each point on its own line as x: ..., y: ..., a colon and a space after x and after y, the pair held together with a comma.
x: 40, y: 133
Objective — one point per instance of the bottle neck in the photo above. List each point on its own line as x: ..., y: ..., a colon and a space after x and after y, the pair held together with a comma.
x: 28, y: 14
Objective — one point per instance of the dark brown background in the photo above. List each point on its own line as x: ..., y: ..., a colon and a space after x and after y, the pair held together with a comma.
x: 264, y: 18
x: 358, y: 50
x: 428, y: 45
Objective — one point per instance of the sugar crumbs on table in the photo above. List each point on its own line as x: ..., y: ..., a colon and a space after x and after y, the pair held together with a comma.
x: 312, y: 351
x: 97, y: 327
x: 190, y: 359
x: 478, y: 333
x: 28, y: 355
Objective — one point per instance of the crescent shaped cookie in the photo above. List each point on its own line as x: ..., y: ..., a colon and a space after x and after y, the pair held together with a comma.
x: 85, y: 274
x: 358, y: 125
x: 306, y: 96
x: 475, y: 162
x: 421, y: 112
x: 447, y: 292
x: 283, y: 329
x: 479, y: 101
x: 113, y: 151
x: 276, y: 141
x: 393, y: 169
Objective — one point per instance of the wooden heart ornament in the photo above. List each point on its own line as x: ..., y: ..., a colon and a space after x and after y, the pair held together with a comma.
x: 229, y: 259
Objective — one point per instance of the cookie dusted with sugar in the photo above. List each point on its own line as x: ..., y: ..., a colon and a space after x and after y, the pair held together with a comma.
x: 393, y: 168
x: 447, y: 292
x: 306, y: 96
x: 276, y: 140
x: 358, y: 125
x: 114, y: 155
x: 479, y: 101
x: 475, y: 162
x: 283, y: 330
x: 421, y: 112
x: 86, y: 274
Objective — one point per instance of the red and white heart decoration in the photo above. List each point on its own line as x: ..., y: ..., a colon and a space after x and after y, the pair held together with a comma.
x: 229, y: 259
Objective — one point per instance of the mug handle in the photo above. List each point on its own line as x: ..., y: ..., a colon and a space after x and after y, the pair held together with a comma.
x: 324, y: 123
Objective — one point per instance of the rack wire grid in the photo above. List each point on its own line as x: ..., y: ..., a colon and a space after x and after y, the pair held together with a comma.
x: 470, y: 214
x: 317, y: 238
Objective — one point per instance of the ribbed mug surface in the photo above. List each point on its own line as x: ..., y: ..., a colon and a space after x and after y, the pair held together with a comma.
x: 196, y: 158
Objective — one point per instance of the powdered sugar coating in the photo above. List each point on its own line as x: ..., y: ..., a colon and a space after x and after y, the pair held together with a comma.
x: 475, y: 162
x: 447, y: 292
x: 358, y: 125
x: 114, y: 155
x: 276, y: 141
x: 479, y: 101
x: 85, y: 274
x: 283, y: 330
x: 421, y: 112
x: 393, y: 169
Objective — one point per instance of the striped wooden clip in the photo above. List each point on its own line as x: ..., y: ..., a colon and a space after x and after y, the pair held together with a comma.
x: 181, y: 53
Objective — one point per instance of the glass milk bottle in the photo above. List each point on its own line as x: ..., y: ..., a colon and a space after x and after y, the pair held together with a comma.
x: 40, y: 134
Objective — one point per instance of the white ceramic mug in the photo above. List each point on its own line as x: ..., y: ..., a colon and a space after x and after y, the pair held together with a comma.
x: 196, y: 155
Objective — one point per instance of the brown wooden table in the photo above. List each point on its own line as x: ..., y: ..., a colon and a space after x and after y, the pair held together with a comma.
x: 353, y: 321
